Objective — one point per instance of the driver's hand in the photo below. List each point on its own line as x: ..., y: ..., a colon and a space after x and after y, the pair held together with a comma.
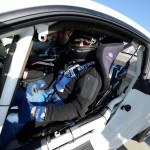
x: 38, y: 113
x: 35, y: 86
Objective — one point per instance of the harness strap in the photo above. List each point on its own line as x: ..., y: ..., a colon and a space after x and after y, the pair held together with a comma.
x: 50, y: 90
x: 123, y: 72
x: 55, y: 100
x: 69, y: 74
x: 114, y: 73
x: 66, y: 78
x: 62, y: 80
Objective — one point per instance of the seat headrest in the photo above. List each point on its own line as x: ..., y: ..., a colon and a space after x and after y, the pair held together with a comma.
x: 105, y: 56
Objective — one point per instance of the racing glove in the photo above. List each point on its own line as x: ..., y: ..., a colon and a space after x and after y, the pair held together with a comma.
x: 34, y: 94
x: 35, y: 86
x: 36, y: 100
x: 38, y: 113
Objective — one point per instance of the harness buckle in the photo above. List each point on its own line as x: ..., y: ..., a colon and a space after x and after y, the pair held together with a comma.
x: 70, y: 72
x: 61, y: 72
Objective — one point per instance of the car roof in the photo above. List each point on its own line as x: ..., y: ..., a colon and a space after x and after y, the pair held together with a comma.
x: 14, y: 5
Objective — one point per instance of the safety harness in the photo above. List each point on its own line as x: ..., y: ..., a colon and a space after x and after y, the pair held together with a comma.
x: 64, y: 77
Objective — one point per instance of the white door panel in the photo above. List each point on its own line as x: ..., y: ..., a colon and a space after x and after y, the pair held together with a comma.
x: 126, y: 124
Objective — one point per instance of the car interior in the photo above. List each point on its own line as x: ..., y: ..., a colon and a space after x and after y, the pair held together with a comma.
x: 119, y: 74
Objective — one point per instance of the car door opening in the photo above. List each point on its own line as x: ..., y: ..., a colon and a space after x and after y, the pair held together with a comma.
x: 73, y: 82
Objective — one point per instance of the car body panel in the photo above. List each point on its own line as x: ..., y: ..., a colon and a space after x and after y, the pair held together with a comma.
x: 75, y: 6
x: 27, y: 16
x: 128, y: 122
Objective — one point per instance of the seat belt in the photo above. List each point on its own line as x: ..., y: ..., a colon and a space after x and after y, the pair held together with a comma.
x: 69, y: 74
x: 115, y: 70
x: 50, y: 94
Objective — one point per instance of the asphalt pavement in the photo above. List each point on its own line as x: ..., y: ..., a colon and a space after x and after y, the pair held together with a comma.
x: 133, y: 145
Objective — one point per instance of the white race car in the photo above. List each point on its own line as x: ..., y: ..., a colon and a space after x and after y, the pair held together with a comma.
x: 120, y: 113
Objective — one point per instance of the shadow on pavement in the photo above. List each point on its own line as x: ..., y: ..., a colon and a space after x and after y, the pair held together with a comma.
x: 148, y: 141
x: 122, y: 148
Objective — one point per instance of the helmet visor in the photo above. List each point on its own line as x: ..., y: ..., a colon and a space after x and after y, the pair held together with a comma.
x: 84, y: 41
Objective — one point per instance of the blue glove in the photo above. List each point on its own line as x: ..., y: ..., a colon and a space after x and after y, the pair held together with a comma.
x: 34, y: 95
x: 27, y: 113
x: 35, y: 86
x: 37, y: 98
x: 38, y: 113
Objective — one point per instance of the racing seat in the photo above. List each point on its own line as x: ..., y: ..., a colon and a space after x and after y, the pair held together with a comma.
x: 105, y: 56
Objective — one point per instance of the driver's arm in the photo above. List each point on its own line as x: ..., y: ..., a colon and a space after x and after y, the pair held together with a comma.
x: 85, y: 92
